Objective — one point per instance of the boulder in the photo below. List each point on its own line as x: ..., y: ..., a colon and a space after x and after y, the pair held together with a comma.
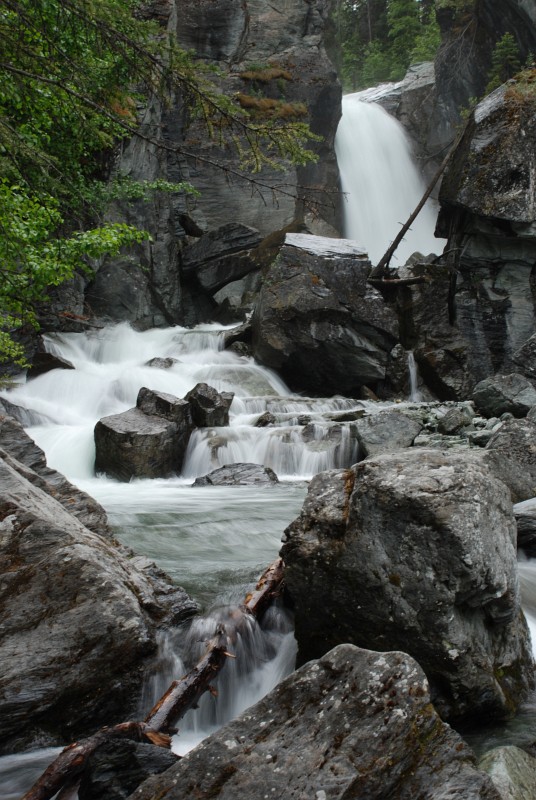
x: 33, y: 466
x: 511, y: 454
x: 385, y: 432
x: 148, y: 441
x: 525, y: 358
x: 117, y: 767
x: 512, y: 770
x: 238, y: 475
x: 352, y: 724
x: 488, y: 215
x: 513, y: 394
x: 525, y: 515
x: 45, y: 362
x: 79, y: 616
x: 209, y: 408
x: 318, y: 321
x: 415, y: 551
x: 162, y: 363
x: 455, y: 420
x: 221, y: 256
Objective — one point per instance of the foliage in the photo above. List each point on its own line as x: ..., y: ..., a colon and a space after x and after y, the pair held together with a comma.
x: 505, y: 61
x: 73, y: 76
x: 379, y: 39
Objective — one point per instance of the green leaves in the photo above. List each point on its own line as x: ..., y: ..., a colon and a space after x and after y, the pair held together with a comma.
x: 33, y: 257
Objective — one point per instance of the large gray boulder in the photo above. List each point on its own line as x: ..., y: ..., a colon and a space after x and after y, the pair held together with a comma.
x: 318, y: 321
x: 79, y: 615
x: 385, y: 432
x: 511, y: 454
x: 416, y: 551
x: 512, y: 770
x: 221, y: 256
x: 513, y: 394
x: 209, y: 408
x: 148, y: 441
x: 354, y: 724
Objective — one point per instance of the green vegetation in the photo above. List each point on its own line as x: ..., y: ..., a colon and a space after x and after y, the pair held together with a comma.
x: 379, y: 39
x: 74, y: 75
x: 505, y: 62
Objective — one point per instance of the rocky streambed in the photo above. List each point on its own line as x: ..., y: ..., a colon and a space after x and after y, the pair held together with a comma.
x: 405, y: 547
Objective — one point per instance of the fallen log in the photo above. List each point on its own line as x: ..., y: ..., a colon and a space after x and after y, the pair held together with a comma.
x: 72, y: 759
x: 182, y: 695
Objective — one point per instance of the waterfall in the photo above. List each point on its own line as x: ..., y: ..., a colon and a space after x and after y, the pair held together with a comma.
x: 381, y: 183
x: 414, y: 394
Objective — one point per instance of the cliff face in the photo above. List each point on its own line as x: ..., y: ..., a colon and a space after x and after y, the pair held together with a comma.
x: 146, y: 287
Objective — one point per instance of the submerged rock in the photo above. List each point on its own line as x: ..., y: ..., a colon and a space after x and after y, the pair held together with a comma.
x: 318, y: 321
x: 353, y: 724
x: 415, y: 551
x: 238, y: 475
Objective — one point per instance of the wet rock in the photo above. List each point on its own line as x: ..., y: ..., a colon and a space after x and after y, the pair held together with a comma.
x: 209, y: 408
x: 512, y: 770
x: 148, y: 441
x: 385, y: 432
x: 318, y: 321
x: 45, y: 362
x: 79, y: 616
x: 162, y: 363
x: 266, y: 419
x: 487, y: 211
x: 353, y: 724
x: 119, y: 766
x: 238, y: 475
x: 525, y: 515
x: 416, y: 551
x: 511, y: 453
x: 32, y: 464
x: 221, y: 256
x: 502, y: 394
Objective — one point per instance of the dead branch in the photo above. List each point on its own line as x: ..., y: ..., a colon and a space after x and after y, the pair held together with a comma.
x: 182, y: 695
x: 380, y: 270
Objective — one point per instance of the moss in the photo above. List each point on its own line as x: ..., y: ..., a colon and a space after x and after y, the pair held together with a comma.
x: 265, y: 74
x: 269, y: 108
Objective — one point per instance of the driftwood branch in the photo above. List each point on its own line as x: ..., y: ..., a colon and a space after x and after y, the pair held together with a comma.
x: 380, y: 270
x: 182, y: 695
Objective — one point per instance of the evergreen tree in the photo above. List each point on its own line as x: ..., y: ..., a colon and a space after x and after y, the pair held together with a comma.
x: 505, y: 61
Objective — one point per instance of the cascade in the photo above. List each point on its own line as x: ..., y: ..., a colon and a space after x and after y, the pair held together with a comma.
x: 381, y: 183
x: 414, y: 392
x: 214, y: 541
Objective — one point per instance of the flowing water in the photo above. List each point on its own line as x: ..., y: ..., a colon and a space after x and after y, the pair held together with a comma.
x: 381, y: 183
x: 214, y: 541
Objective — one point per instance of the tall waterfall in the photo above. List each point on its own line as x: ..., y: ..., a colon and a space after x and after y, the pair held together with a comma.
x: 381, y: 183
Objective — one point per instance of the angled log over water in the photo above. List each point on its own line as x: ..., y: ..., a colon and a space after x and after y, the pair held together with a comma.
x: 185, y: 693
x: 182, y: 695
